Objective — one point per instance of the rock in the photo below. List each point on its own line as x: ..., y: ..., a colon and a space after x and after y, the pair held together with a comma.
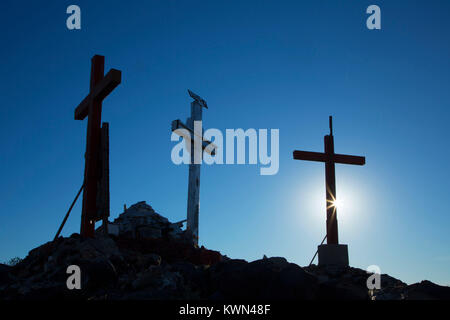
x: 226, y: 278
x: 296, y: 283
x: 266, y: 279
x: 43, y: 291
x: 391, y: 289
x: 276, y: 263
x: 146, y: 260
x: 195, y: 283
x: 346, y: 283
x: 147, y: 232
x: 175, y: 231
x: 149, y: 278
x: 150, y: 259
x: 336, y: 290
x: 97, y: 273
x: 427, y: 290
x: 5, y: 275
x: 207, y: 257
x: 140, y: 221
x: 156, y: 283
x: 4, y: 268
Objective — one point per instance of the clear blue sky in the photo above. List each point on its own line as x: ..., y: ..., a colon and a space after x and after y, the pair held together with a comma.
x: 259, y: 64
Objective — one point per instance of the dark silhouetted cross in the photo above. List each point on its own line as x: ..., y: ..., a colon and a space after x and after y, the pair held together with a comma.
x: 91, y: 107
x: 330, y: 158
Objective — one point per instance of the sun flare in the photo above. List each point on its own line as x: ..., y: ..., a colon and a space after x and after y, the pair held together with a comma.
x: 337, y: 203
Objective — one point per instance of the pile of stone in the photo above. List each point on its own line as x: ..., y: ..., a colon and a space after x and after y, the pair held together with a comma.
x: 146, y: 257
x: 111, y: 268
x: 140, y: 221
x: 349, y: 283
x: 115, y: 268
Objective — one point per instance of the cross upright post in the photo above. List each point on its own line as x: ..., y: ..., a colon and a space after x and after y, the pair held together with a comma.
x: 332, y: 253
x: 193, y: 136
x: 330, y: 178
x: 193, y: 205
x: 103, y: 202
x: 91, y: 107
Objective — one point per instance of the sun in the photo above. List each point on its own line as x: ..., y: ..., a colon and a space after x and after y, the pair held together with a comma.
x: 335, y: 203
x: 346, y: 205
x: 338, y: 203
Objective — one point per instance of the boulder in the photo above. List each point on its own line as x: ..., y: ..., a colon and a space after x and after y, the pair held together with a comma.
x: 266, y: 279
x: 427, y: 290
x: 148, y: 232
x: 144, y: 261
x: 6, y: 277
x: 150, y: 258
x: 140, y: 221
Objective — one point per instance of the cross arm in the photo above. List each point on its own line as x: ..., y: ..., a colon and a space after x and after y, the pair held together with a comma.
x: 310, y: 156
x: 346, y: 159
x: 323, y: 157
x: 178, y: 124
x: 206, y: 144
x: 104, y: 88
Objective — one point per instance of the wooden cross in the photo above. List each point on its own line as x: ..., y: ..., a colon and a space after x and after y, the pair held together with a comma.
x: 193, y: 205
x: 103, y: 192
x: 330, y: 158
x: 100, y: 87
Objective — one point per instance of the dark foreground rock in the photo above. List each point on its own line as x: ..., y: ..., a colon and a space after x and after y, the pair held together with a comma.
x: 121, y: 268
x: 272, y: 278
x: 427, y: 290
x: 142, y: 255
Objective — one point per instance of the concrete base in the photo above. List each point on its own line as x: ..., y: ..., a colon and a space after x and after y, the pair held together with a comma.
x: 333, y: 254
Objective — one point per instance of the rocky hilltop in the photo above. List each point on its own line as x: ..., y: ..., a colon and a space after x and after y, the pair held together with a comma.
x: 147, y: 257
